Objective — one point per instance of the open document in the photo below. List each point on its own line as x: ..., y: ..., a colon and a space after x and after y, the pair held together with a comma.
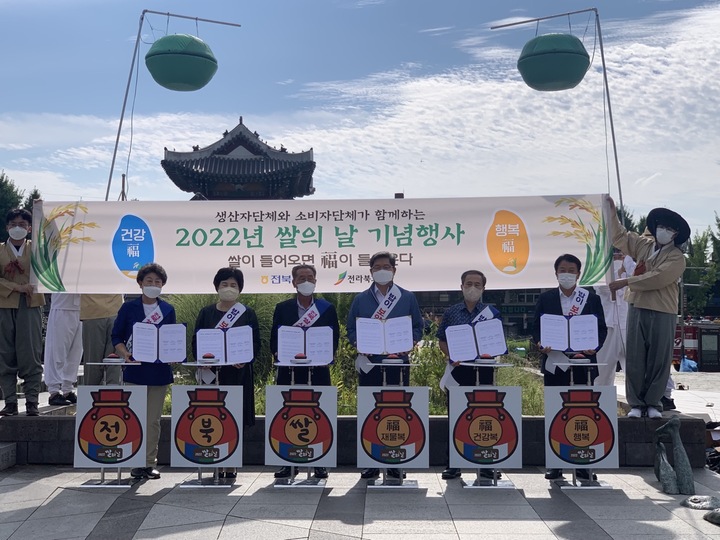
x: 229, y: 346
x: 384, y: 336
x: 166, y: 343
x: 467, y: 341
x: 569, y: 334
x: 315, y: 342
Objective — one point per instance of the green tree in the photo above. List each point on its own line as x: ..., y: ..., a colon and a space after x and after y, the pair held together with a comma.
x: 28, y: 201
x: 10, y: 197
x: 701, y: 274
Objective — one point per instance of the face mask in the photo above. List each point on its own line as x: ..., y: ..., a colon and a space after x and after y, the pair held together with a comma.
x: 567, y: 281
x: 472, y: 294
x: 17, y: 233
x: 306, y: 288
x: 228, y: 294
x: 382, y: 277
x: 663, y: 236
x: 152, y: 292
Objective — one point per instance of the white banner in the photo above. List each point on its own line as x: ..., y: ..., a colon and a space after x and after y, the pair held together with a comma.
x: 486, y: 427
x: 581, y: 427
x: 207, y: 426
x: 110, y: 426
x: 98, y: 247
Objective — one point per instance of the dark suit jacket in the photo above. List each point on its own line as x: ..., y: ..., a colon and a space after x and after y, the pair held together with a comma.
x: 549, y: 302
x: 286, y: 314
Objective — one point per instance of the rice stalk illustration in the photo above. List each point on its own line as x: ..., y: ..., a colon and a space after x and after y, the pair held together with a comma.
x: 55, y: 232
x: 590, y: 231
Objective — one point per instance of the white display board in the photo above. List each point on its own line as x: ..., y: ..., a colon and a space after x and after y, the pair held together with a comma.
x: 392, y: 427
x: 207, y: 426
x: 110, y: 426
x: 485, y: 427
x: 301, y: 426
x: 581, y: 427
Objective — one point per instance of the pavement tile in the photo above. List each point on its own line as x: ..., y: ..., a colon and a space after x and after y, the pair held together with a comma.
x: 414, y: 527
x: 695, y: 518
x: 649, y: 511
x: 321, y: 535
x: 79, y: 525
x: 242, y: 529
x: 217, y: 500
x: 467, y: 512
x: 121, y: 520
x: 294, y: 515
x: 501, y: 526
x: 196, y: 531
x: 413, y: 536
x: 507, y: 536
x: 581, y: 529
x: 6, y: 529
x: 168, y: 516
x: 33, y: 491
x: 19, y: 511
x: 338, y: 527
x: 621, y: 528
x: 401, y: 510
x: 68, y: 502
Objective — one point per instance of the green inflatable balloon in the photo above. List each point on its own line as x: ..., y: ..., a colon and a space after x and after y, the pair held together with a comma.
x: 181, y: 62
x: 553, y: 62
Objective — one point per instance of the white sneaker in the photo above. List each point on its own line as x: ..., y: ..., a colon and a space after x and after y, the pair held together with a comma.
x: 634, y: 413
x: 653, y: 413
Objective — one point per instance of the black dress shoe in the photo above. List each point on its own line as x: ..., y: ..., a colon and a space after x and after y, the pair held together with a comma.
x: 370, y: 473
x: 71, y: 397
x: 553, y: 474
x: 138, y: 472
x: 221, y: 475
x: 395, y: 473
x: 284, y: 472
x: 488, y: 473
x: 58, y: 400
x: 668, y: 404
x: 584, y: 474
x: 31, y: 409
x: 450, y: 473
x: 230, y: 475
x: 321, y: 472
x: 10, y: 409
x: 152, y: 473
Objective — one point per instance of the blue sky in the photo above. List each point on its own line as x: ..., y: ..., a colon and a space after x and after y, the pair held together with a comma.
x: 397, y: 95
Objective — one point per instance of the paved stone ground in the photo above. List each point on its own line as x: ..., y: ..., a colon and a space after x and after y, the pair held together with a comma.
x: 41, y: 502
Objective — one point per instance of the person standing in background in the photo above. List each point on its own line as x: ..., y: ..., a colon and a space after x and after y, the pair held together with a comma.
x: 97, y: 313
x: 20, y: 318
x: 63, y: 348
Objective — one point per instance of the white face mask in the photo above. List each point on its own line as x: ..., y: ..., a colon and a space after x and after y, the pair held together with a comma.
x: 17, y: 233
x: 306, y: 288
x: 152, y: 292
x: 663, y: 236
x: 567, y: 281
x: 472, y: 294
x: 382, y: 277
x: 228, y: 294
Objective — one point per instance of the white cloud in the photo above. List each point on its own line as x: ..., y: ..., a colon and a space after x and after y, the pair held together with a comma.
x: 475, y: 130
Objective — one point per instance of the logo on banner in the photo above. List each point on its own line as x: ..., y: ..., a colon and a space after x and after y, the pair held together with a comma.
x: 485, y: 433
x: 132, y: 245
x: 301, y: 432
x: 393, y: 433
x: 581, y: 433
x: 110, y: 432
x: 206, y: 432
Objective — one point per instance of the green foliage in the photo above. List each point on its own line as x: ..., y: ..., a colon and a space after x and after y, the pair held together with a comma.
x: 701, y: 273
x: 10, y: 197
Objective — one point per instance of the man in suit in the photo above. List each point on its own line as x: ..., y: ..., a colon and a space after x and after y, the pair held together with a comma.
x: 20, y: 318
x: 383, y: 300
x: 568, y: 299
x: 304, y: 310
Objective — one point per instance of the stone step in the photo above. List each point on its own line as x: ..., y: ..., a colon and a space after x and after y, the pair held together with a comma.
x: 8, y: 455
